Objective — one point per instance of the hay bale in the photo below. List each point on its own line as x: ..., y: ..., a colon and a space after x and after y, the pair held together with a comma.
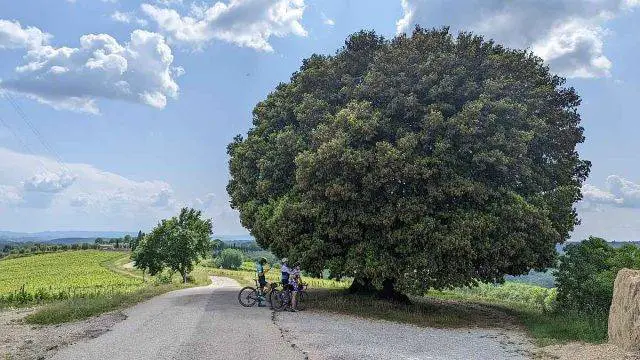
x: 624, y: 316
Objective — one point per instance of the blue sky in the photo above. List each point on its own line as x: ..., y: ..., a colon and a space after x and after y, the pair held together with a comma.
x: 133, y: 103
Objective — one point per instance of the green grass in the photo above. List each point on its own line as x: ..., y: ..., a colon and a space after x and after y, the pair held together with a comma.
x: 421, y: 312
x: 536, y: 309
x: 561, y: 327
x: 82, y: 308
x: 61, y: 275
x: 510, y: 294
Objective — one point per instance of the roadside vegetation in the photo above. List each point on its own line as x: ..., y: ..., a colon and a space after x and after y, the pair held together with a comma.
x: 84, y: 307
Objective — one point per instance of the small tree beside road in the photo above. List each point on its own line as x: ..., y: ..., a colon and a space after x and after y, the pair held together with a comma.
x: 176, y: 243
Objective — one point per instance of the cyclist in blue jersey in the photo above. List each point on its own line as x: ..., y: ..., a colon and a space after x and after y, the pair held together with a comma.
x: 262, y: 281
x: 285, y: 271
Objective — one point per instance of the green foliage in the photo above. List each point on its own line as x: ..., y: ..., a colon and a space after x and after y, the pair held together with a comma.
x: 177, y: 243
x: 510, y: 293
x: 164, y: 277
x: 431, y: 160
x: 133, y: 243
x: 229, y: 259
x: 587, y: 271
x: 147, y: 256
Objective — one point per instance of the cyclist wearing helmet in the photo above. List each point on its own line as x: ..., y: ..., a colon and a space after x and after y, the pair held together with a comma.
x: 262, y: 281
x: 285, y: 272
x: 294, y: 285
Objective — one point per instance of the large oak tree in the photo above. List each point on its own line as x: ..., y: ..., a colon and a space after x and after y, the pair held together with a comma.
x: 429, y: 160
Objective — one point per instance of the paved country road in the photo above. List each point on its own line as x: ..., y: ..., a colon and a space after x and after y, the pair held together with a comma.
x: 208, y: 323
x: 196, y: 323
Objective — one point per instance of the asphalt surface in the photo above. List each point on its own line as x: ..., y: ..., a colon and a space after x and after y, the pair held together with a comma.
x: 208, y: 323
x: 196, y: 323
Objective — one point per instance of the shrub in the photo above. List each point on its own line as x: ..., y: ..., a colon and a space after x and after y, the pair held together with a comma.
x: 163, y: 278
x: 587, y: 271
x: 229, y: 259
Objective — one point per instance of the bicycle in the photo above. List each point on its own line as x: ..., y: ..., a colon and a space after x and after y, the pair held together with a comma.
x: 281, y: 299
x: 249, y: 295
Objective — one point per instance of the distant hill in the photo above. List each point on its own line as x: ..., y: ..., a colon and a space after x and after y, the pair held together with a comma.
x: 234, y: 238
x: 71, y: 237
x: 52, y: 235
x: 615, y: 244
x: 70, y: 241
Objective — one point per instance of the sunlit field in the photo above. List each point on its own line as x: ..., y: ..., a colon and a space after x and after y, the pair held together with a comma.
x: 60, y: 276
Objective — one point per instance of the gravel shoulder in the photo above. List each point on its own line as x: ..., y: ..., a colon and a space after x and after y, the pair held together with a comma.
x: 326, y: 336
x: 23, y: 341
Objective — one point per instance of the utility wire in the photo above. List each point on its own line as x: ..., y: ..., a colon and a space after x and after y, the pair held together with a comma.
x: 35, y: 131
x: 22, y: 142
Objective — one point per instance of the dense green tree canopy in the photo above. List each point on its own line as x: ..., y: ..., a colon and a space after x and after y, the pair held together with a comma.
x: 429, y: 160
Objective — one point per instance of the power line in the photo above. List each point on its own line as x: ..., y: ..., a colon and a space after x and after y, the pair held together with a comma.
x: 35, y: 131
x: 23, y: 142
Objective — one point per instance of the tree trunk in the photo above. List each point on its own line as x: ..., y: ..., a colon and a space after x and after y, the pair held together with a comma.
x: 362, y: 285
x: 389, y: 292
x: 184, y: 276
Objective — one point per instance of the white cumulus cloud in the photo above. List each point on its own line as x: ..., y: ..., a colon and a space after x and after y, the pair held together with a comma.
x: 49, y: 182
x: 127, y: 18
x: 14, y: 36
x: 140, y: 70
x: 619, y: 192
x: 247, y: 23
x: 10, y: 195
x: 40, y: 189
x: 568, y: 34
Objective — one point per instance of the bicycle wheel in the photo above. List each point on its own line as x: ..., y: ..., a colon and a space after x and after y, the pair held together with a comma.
x: 248, y: 296
x: 280, y: 299
x: 303, y: 297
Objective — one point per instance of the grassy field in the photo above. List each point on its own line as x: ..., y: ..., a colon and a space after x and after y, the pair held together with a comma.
x: 62, y: 275
x: 76, y: 285
x: 82, y: 308
x: 535, y: 308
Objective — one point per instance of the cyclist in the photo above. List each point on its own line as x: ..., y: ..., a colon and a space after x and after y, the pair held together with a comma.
x: 284, y: 273
x: 294, y: 285
x: 262, y: 281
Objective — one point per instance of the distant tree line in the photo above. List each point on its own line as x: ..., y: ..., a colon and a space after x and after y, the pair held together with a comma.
x: 128, y: 241
x: 20, y: 249
x: 17, y: 249
x: 244, y: 246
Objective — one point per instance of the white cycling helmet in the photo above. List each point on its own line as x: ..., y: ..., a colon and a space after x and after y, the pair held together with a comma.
x: 284, y: 260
